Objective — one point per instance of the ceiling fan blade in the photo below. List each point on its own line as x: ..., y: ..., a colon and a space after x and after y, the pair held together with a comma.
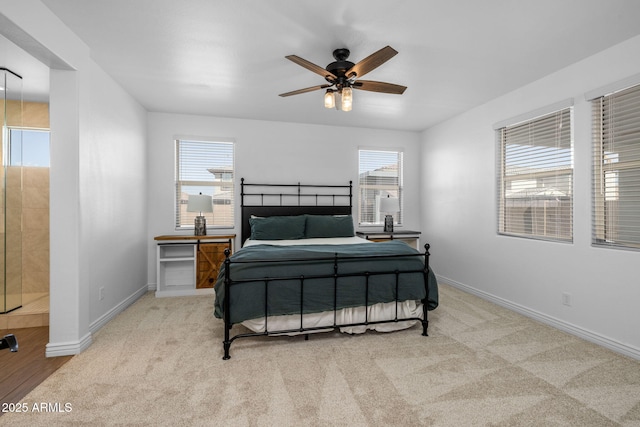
x: 383, y: 87
x: 372, y: 61
x: 305, y: 90
x: 311, y: 66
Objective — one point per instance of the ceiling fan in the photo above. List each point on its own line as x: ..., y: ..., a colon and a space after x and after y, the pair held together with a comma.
x: 342, y: 75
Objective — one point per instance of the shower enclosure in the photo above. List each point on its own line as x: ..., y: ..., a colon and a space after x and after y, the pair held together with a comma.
x: 10, y: 192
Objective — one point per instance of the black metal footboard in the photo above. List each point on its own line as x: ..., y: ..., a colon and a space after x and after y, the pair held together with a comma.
x: 229, y: 282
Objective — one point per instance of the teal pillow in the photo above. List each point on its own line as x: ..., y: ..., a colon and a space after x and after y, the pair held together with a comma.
x: 277, y: 227
x: 329, y: 226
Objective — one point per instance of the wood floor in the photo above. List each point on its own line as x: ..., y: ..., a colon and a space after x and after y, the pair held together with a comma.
x: 22, y: 371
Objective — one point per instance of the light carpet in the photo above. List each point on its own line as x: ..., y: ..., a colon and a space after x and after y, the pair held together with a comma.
x: 160, y: 363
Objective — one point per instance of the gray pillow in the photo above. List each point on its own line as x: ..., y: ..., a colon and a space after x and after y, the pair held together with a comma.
x: 277, y: 227
x: 329, y: 226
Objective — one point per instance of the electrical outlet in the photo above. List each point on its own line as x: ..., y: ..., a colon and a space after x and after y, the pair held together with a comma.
x: 566, y: 299
x: 101, y: 294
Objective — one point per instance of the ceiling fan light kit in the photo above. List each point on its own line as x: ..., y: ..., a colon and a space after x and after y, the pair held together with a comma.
x: 341, y: 76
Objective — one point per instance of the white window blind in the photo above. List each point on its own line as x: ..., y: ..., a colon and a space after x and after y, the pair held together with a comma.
x: 205, y: 167
x: 616, y: 169
x: 535, y: 177
x: 380, y: 175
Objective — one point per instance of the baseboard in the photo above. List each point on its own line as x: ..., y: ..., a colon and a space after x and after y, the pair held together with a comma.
x: 585, y: 334
x: 105, y: 318
x: 189, y: 292
x: 68, y: 348
x: 77, y: 347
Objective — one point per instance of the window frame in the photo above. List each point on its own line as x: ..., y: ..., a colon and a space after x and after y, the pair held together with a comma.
x: 222, y: 147
x: 534, y: 162
x: 396, y: 189
x: 613, y: 137
x: 23, y: 146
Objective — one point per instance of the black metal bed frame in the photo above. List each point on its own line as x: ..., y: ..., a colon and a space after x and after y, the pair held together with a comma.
x: 308, y: 203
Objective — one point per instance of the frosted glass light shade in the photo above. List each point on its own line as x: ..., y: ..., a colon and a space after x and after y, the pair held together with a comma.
x: 329, y: 99
x: 347, y: 99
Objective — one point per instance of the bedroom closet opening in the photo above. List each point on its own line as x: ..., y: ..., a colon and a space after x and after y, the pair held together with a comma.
x: 24, y: 207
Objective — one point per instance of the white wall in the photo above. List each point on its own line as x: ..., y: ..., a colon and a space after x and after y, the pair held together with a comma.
x: 459, y: 215
x: 270, y: 152
x: 113, y: 196
x: 98, y: 178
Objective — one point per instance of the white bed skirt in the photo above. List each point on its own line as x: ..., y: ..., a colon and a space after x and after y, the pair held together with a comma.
x: 376, y: 312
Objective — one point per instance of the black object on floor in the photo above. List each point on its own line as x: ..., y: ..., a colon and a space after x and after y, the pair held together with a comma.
x: 9, y: 341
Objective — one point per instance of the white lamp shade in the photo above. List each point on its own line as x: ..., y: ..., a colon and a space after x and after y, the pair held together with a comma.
x: 389, y: 204
x: 199, y: 203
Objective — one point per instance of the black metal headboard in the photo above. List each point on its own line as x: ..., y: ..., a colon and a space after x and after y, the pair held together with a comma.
x: 292, y: 199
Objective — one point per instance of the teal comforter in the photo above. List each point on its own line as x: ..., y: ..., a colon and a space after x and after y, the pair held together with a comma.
x: 286, y: 295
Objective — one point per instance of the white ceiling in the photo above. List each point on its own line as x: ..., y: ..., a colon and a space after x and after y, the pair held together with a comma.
x: 227, y: 58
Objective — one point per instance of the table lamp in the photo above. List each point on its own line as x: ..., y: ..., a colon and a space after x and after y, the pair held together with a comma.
x: 389, y: 206
x: 202, y: 204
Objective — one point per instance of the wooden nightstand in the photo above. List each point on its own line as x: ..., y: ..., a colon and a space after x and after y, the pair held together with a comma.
x: 189, y: 265
x: 408, y: 236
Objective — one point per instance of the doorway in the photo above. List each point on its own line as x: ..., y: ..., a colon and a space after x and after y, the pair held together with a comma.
x: 26, y: 214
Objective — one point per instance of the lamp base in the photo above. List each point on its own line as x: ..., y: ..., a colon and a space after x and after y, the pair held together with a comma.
x: 200, y: 226
x: 388, y: 224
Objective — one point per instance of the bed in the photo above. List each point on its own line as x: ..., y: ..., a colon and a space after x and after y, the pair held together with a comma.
x: 302, y: 270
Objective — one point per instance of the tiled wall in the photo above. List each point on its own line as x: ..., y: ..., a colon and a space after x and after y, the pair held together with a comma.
x: 13, y: 236
x: 27, y: 255
x: 35, y: 230
x: 27, y: 208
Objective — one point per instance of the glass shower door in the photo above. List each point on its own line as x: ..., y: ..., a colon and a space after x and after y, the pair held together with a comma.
x: 11, y: 192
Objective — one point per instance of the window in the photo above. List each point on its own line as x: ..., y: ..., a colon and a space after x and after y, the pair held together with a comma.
x: 205, y: 167
x: 28, y: 147
x: 616, y: 169
x: 535, y: 177
x: 380, y: 175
